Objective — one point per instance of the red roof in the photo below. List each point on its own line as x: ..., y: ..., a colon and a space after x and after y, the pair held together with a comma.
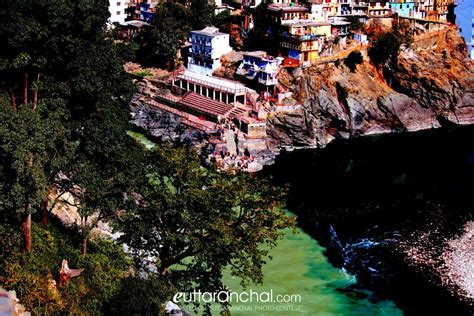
x: 290, y: 62
x: 205, y: 105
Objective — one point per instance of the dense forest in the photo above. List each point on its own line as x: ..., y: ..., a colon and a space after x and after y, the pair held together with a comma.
x: 64, y: 114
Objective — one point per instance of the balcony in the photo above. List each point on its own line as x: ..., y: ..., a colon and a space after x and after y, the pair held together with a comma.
x: 311, y: 48
x: 302, y: 38
x: 268, y: 81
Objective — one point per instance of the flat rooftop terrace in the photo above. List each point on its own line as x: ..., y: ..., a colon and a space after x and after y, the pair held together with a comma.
x: 229, y: 86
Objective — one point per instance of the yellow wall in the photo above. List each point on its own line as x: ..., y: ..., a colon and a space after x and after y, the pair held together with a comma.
x: 321, y: 30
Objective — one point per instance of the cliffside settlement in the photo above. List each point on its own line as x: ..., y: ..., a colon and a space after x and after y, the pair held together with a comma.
x: 241, y: 108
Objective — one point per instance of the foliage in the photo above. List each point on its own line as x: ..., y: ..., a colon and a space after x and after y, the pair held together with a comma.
x: 159, y: 47
x: 222, y: 18
x: 33, y: 145
x: 31, y: 275
x: 353, y: 59
x: 258, y: 37
x: 384, y: 48
x: 201, y: 13
x: 64, y: 114
x: 355, y: 24
x: 159, y: 44
x: 175, y: 17
x: 143, y: 73
x: 141, y: 296
x: 195, y: 222
x: 107, y: 167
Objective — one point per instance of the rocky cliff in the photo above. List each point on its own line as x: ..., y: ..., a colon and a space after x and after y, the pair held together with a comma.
x: 431, y: 85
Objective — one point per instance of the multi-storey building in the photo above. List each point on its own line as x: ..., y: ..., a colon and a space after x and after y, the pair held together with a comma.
x: 258, y: 65
x: 330, y: 8
x: 359, y: 7
x: 421, y: 9
x: 279, y: 13
x: 317, y: 12
x: 117, y: 9
x: 302, y: 40
x: 147, y: 10
x: 339, y: 26
x: 353, y: 7
x: 379, y: 8
x: 208, y: 46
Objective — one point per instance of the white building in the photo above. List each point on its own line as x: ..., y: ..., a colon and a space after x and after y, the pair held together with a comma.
x: 317, y: 12
x: 117, y: 11
x: 208, y: 46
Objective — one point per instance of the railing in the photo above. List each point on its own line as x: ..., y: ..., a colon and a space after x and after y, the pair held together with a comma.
x: 309, y: 48
x: 307, y: 37
x: 212, y: 85
x: 268, y: 81
x: 337, y: 56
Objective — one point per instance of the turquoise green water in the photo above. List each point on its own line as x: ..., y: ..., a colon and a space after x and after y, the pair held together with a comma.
x: 142, y: 139
x: 299, y: 267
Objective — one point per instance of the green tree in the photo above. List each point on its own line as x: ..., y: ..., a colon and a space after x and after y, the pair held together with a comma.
x: 353, y: 59
x: 33, y: 144
x: 57, y: 72
x: 222, y: 18
x: 159, y: 44
x: 355, y: 24
x: 159, y: 47
x: 385, y: 48
x: 201, y: 13
x: 194, y: 222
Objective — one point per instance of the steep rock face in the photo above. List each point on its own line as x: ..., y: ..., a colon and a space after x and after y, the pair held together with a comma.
x: 432, y: 83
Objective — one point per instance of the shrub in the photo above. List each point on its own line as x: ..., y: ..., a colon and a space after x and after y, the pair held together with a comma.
x: 31, y: 274
x: 384, y: 48
x: 352, y: 60
x: 143, y: 73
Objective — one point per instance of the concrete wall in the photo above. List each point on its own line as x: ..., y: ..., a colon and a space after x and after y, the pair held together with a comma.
x: 117, y: 11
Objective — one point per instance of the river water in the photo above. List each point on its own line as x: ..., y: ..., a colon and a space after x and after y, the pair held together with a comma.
x: 388, y: 208
x: 357, y: 201
x: 299, y: 267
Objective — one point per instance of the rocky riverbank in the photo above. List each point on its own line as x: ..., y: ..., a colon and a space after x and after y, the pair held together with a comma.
x: 431, y: 85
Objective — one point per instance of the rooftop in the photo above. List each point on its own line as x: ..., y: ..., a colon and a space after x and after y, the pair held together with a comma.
x: 338, y: 22
x: 209, y: 31
x: 277, y: 7
x: 205, y: 105
x: 218, y: 83
x: 135, y: 23
x: 259, y: 54
x: 304, y: 23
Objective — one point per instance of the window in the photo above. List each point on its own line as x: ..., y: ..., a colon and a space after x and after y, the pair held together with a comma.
x: 118, y: 12
x: 118, y: 4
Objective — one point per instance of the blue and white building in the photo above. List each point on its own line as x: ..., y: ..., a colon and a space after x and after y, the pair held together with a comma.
x: 260, y: 66
x: 208, y: 46
x: 403, y: 8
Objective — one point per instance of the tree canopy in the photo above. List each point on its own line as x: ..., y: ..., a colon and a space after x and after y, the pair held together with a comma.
x: 64, y: 117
